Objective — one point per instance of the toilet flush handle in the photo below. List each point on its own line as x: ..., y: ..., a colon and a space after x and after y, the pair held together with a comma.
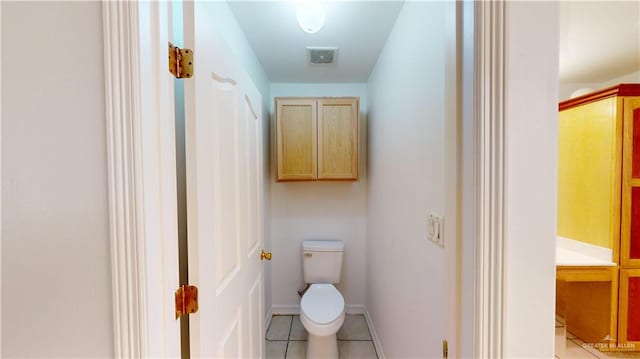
x: 265, y: 255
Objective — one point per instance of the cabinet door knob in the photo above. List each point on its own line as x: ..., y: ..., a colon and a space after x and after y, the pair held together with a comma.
x: 265, y: 255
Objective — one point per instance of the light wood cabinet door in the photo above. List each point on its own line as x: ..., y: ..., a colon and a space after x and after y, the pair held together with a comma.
x: 317, y: 138
x: 338, y: 139
x: 296, y: 139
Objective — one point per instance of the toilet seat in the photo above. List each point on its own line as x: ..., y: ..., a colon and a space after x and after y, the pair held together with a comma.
x: 322, y: 309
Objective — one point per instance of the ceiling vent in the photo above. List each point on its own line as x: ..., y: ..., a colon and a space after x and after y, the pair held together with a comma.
x: 322, y: 55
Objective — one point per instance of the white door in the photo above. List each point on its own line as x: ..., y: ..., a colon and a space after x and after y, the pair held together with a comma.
x: 224, y: 195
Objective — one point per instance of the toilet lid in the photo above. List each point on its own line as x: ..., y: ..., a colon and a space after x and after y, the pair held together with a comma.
x: 322, y: 303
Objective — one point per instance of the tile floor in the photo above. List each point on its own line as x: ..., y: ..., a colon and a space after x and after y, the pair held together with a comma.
x: 576, y: 348
x: 287, y: 338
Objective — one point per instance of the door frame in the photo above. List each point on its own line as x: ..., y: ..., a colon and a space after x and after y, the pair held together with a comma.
x: 489, y: 191
x: 513, y: 179
x: 123, y: 155
x: 136, y: 99
x: 141, y: 180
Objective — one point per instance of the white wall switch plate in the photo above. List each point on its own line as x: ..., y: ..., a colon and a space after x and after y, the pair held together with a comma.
x: 436, y: 229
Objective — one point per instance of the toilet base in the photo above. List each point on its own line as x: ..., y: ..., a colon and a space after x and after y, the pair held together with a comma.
x: 322, y: 347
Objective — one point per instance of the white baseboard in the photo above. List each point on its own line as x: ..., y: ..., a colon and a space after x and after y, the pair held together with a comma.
x: 295, y: 309
x: 355, y: 309
x: 374, y: 335
x: 285, y: 309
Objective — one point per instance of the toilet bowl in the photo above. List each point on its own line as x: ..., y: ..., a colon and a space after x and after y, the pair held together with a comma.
x: 322, y: 315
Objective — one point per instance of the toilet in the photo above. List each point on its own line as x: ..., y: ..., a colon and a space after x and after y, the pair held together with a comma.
x: 322, y: 305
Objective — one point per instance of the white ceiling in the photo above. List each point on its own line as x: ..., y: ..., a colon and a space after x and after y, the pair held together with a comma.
x: 599, y: 40
x: 358, y: 28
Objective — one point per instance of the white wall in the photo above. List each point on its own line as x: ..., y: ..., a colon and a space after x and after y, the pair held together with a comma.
x: 468, y: 153
x: 567, y: 88
x: 56, y: 280
x: 318, y: 210
x: 231, y: 32
x: 531, y: 178
x: 405, y: 271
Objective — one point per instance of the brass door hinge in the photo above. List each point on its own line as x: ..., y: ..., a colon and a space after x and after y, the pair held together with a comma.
x: 445, y: 349
x: 180, y: 62
x: 186, y: 300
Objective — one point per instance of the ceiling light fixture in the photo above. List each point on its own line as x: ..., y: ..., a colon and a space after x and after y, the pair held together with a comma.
x: 310, y: 15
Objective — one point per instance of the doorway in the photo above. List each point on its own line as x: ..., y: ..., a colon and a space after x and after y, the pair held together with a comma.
x: 598, y: 96
x: 532, y: 257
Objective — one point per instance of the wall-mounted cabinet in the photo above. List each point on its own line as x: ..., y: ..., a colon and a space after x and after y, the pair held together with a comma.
x: 317, y: 138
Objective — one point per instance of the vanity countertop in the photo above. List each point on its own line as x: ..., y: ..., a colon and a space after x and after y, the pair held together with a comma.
x: 567, y: 257
x: 570, y: 252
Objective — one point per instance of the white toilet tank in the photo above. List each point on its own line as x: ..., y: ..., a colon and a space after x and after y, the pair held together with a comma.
x: 322, y: 261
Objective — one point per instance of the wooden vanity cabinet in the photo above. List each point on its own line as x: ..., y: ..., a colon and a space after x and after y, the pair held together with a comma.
x: 317, y: 138
x: 587, y: 298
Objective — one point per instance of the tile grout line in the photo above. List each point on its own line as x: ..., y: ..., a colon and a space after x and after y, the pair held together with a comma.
x: 266, y: 334
x: 371, y: 336
x: 288, y: 338
x: 583, y: 348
